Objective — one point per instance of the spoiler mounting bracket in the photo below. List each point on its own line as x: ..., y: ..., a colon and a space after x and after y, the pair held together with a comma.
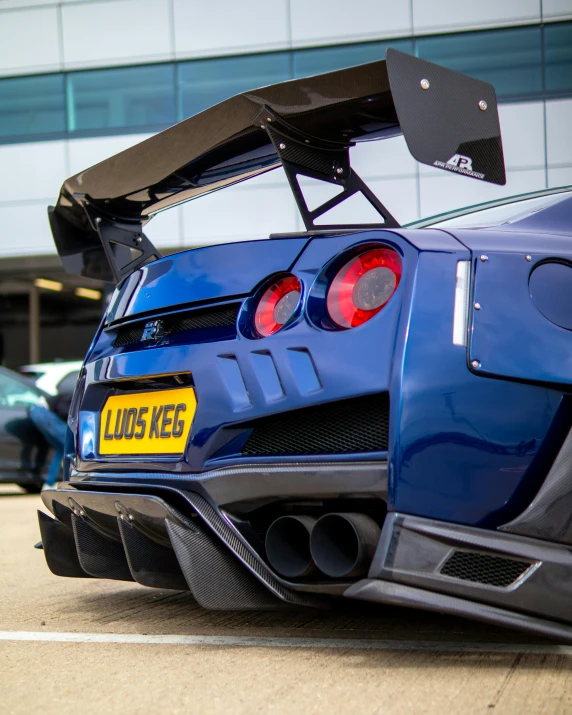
x: 304, y: 155
x: 126, y: 247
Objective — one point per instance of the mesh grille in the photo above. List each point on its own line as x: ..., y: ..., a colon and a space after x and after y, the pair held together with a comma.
x: 357, y: 425
x: 483, y: 568
x: 223, y: 316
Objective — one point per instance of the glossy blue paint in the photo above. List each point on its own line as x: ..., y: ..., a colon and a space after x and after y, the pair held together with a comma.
x: 204, y: 274
x: 303, y: 371
x: 463, y: 447
x: 553, y: 220
x: 551, y: 292
x: 511, y: 338
x: 331, y: 354
x: 462, y: 444
x: 268, y: 380
x: 233, y: 381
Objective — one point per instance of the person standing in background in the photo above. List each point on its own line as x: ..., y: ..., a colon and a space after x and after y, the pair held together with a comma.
x: 52, y: 423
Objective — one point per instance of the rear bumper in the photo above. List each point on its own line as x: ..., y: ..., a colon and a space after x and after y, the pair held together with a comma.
x: 171, y: 538
x: 248, y: 484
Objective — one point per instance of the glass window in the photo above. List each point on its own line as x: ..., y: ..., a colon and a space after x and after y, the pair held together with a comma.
x: 495, y: 213
x: 328, y: 59
x: 558, y: 57
x: 14, y: 393
x: 32, y: 106
x: 203, y: 83
x: 67, y: 384
x: 510, y: 59
x: 125, y: 98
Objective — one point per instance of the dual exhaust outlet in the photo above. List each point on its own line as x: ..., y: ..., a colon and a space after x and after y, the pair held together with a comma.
x: 338, y: 545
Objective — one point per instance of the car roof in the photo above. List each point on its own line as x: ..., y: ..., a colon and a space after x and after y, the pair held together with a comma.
x: 457, y: 213
x: 22, y: 379
x: 60, y: 365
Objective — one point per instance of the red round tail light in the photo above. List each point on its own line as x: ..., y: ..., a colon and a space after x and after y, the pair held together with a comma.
x: 363, y: 286
x: 277, y: 305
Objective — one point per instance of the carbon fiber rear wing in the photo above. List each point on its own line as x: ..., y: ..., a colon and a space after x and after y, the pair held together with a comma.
x: 449, y: 121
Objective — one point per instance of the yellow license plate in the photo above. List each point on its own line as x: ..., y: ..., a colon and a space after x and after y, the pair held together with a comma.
x: 147, y: 422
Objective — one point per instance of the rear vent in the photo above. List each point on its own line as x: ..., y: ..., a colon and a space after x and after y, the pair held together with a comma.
x: 357, y: 425
x: 223, y: 316
x: 483, y: 568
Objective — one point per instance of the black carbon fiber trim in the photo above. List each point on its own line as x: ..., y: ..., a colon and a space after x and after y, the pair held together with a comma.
x: 548, y: 516
x: 412, y: 551
x: 59, y: 548
x: 150, y: 563
x: 99, y: 557
x: 356, y: 425
x: 221, y: 316
x: 243, y: 552
x: 216, y: 578
x: 396, y: 594
x: 484, y: 568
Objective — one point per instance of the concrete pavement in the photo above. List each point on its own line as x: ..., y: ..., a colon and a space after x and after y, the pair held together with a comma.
x: 378, y: 660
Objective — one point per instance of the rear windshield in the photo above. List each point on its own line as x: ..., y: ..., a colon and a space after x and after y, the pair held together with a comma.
x: 495, y: 213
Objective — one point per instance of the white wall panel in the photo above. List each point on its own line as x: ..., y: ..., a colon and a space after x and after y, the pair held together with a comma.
x: 399, y: 196
x: 318, y: 22
x: 117, y: 31
x: 522, y: 129
x: 84, y: 153
x: 562, y: 176
x: 448, y: 192
x: 29, y: 40
x: 238, y: 214
x: 389, y: 157
x: 558, y: 131
x: 19, y: 4
x: 556, y: 9
x: 24, y: 230
x: 456, y: 15
x: 165, y: 229
x: 32, y: 171
x: 221, y: 28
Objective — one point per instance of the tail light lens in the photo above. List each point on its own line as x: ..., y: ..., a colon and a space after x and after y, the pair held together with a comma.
x: 363, y: 286
x: 277, y: 305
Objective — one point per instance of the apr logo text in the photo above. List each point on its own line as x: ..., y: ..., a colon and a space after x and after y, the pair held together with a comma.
x: 461, y: 164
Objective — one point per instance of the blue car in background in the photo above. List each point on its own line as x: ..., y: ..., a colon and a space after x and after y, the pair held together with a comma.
x: 369, y: 411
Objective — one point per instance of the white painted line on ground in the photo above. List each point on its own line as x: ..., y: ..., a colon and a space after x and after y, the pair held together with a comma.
x: 270, y: 642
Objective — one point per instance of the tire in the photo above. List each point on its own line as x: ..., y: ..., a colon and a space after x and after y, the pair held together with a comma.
x: 31, y: 487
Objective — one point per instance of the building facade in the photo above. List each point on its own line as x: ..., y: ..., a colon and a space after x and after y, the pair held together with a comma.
x: 83, y: 79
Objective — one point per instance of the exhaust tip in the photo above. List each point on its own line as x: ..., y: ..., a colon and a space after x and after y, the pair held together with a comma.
x: 288, y: 546
x: 343, y: 545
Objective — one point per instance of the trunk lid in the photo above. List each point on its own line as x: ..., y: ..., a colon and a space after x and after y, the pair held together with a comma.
x: 202, y: 275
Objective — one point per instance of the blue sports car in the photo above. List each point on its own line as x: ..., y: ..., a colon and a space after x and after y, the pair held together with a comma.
x: 371, y: 411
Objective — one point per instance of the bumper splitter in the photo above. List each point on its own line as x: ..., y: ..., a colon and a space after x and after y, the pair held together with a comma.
x: 140, y: 537
x: 488, y: 575
x: 396, y: 594
x: 495, y: 577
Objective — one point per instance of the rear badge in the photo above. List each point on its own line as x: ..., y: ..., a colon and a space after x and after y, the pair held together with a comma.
x: 153, y: 330
x: 461, y: 164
